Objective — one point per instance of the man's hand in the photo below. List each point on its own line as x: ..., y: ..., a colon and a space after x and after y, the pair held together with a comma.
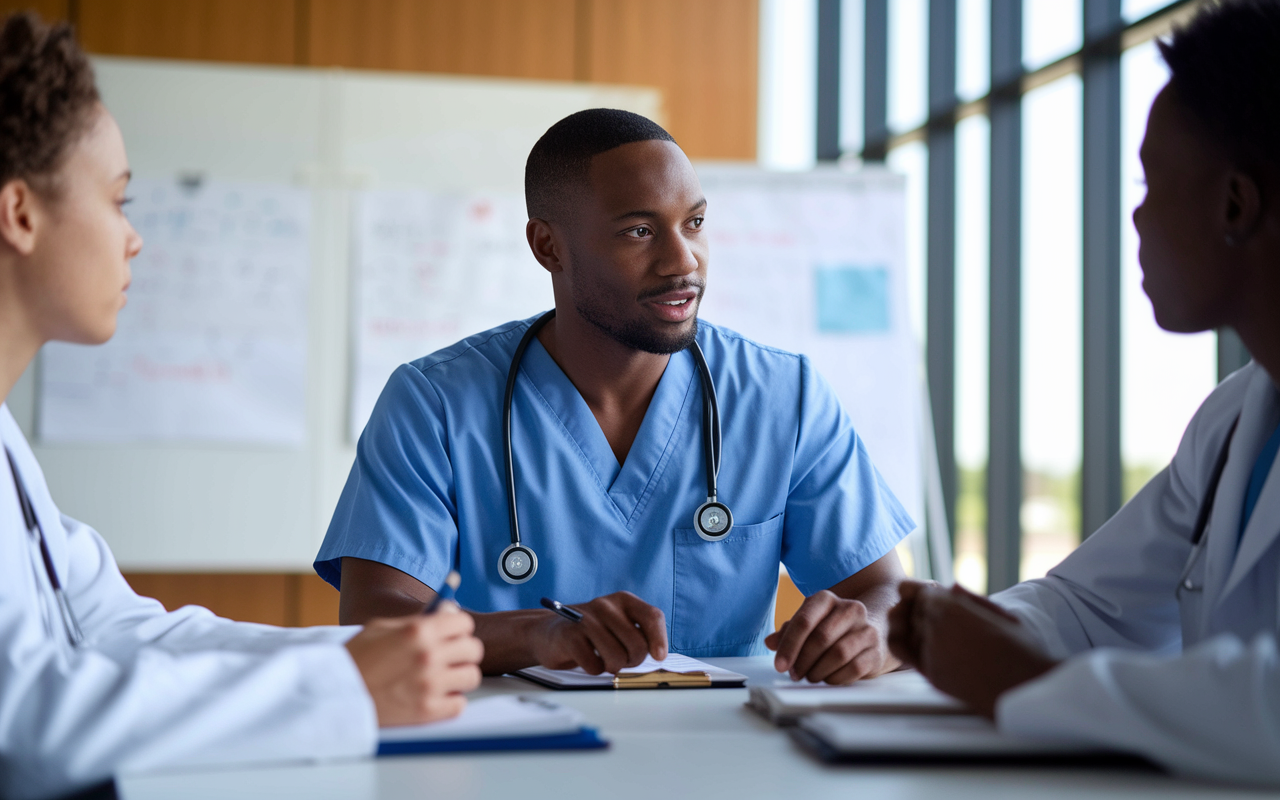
x: 617, y: 631
x: 838, y: 635
x: 417, y: 668
x: 966, y: 645
x: 830, y: 639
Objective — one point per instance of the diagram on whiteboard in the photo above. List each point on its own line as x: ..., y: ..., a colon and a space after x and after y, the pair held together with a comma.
x: 432, y: 268
x: 815, y: 263
x: 212, y: 344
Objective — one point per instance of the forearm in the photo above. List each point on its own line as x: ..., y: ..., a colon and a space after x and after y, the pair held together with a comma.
x: 509, y: 638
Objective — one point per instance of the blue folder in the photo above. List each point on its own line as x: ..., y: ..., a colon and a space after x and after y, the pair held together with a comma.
x: 584, y: 739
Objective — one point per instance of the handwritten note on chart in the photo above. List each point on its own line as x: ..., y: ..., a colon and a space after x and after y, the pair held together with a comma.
x: 433, y: 268
x: 212, y: 343
x: 816, y: 264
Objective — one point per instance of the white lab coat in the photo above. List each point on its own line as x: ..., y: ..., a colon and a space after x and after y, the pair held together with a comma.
x: 1190, y: 681
x: 149, y: 689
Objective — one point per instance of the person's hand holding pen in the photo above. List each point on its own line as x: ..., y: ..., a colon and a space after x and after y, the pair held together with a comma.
x: 607, y: 634
x: 418, y: 668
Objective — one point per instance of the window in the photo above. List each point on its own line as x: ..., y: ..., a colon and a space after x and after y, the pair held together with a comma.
x: 973, y: 145
x: 1166, y: 375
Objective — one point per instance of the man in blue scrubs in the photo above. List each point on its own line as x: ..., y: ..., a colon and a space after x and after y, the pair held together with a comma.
x: 609, y: 455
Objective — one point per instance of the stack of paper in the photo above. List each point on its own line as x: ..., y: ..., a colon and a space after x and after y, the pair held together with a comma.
x: 673, y: 672
x: 505, y: 722
x: 910, y: 738
x: 896, y: 693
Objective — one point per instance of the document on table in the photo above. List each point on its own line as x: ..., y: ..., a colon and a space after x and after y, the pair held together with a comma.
x: 505, y: 722
x: 928, y: 738
x: 672, y: 672
x: 905, y: 692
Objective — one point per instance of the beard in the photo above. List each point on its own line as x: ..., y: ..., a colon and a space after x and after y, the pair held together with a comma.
x: 638, y: 334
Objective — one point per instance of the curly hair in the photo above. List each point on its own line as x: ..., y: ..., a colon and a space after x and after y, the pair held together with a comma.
x: 48, y: 99
x: 1225, y: 65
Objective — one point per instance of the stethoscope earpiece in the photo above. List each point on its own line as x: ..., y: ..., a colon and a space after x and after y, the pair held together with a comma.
x: 517, y: 563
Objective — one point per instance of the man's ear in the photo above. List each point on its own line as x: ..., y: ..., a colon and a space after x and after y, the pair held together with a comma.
x: 545, y: 245
x: 1243, y: 213
x: 18, y: 214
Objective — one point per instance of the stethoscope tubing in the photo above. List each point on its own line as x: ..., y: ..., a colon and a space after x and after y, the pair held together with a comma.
x: 32, y: 521
x: 711, y: 438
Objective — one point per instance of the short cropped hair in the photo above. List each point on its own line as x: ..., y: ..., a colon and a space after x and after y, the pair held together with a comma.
x: 48, y: 99
x: 1225, y: 69
x: 563, y: 155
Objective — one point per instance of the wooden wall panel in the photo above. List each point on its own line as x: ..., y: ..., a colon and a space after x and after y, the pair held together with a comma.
x: 248, y: 597
x: 317, y: 601
x: 282, y: 598
x: 704, y: 55
x: 251, y: 31
x: 49, y: 10
x: 512, y: 38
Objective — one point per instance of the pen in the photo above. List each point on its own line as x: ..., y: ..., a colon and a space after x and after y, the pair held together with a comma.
x: 451, y: 584
x: 571, y: 614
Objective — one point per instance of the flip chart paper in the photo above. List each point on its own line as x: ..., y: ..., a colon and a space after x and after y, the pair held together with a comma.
x: 432, y: 268
x: 212, y: 344
x: 815, y: 263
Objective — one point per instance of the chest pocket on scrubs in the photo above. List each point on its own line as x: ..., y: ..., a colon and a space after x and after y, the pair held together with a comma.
x: 724, y: 590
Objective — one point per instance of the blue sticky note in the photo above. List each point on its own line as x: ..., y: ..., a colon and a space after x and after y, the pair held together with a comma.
x: 852, y: 299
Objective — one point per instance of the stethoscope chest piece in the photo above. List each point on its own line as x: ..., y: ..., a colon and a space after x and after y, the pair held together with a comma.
x: 713, y: 521
x: 517, y: 563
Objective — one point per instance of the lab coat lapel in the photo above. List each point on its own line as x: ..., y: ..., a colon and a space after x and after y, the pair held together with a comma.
x: 1222, y: 534
x: 41, y: 501
x: 1264, y: 525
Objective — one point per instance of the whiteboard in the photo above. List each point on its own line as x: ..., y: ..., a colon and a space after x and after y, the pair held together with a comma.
x: 214, y: 344
x: 815, y: 263
x: 432, y: 268
x: 228, y: 506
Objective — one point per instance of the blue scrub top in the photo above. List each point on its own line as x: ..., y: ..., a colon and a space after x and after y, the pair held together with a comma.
x: 427, y: 493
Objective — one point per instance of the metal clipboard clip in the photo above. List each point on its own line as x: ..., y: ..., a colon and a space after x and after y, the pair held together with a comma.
x: 662, y: 679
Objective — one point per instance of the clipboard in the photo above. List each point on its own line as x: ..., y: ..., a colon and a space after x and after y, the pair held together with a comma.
x: 673, y: 672
x: 503, y: 722
x: 662, y: 679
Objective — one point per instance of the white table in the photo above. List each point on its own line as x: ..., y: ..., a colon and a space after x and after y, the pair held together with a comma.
x: 665, y: 744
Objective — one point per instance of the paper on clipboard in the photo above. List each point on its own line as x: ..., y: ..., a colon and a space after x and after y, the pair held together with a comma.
x: 681, y: 672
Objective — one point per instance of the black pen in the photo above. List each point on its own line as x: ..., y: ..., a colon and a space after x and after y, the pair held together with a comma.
x: 571, y: 614
x: 451, y: 584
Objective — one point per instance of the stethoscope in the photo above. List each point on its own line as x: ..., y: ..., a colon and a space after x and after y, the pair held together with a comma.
x: 1185, y: 584
x: 33, y: 526
x: 712, y: 521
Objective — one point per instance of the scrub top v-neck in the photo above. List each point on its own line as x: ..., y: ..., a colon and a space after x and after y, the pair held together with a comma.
x: 426, y: 492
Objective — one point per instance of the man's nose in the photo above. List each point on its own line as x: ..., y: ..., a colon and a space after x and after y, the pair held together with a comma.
x: 679, y: 256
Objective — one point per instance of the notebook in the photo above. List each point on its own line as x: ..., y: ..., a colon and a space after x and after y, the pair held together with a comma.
x: 904, y: 692
x: 673, y: 672
x: 939, y: 739
x: 504, y: 722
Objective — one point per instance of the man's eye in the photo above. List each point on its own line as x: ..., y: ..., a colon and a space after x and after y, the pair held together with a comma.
x: 642, y: 232
x: 697, y: 222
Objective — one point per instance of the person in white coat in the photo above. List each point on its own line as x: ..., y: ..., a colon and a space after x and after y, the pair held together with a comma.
x: 95, y: 680
x: 1158, y: 635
